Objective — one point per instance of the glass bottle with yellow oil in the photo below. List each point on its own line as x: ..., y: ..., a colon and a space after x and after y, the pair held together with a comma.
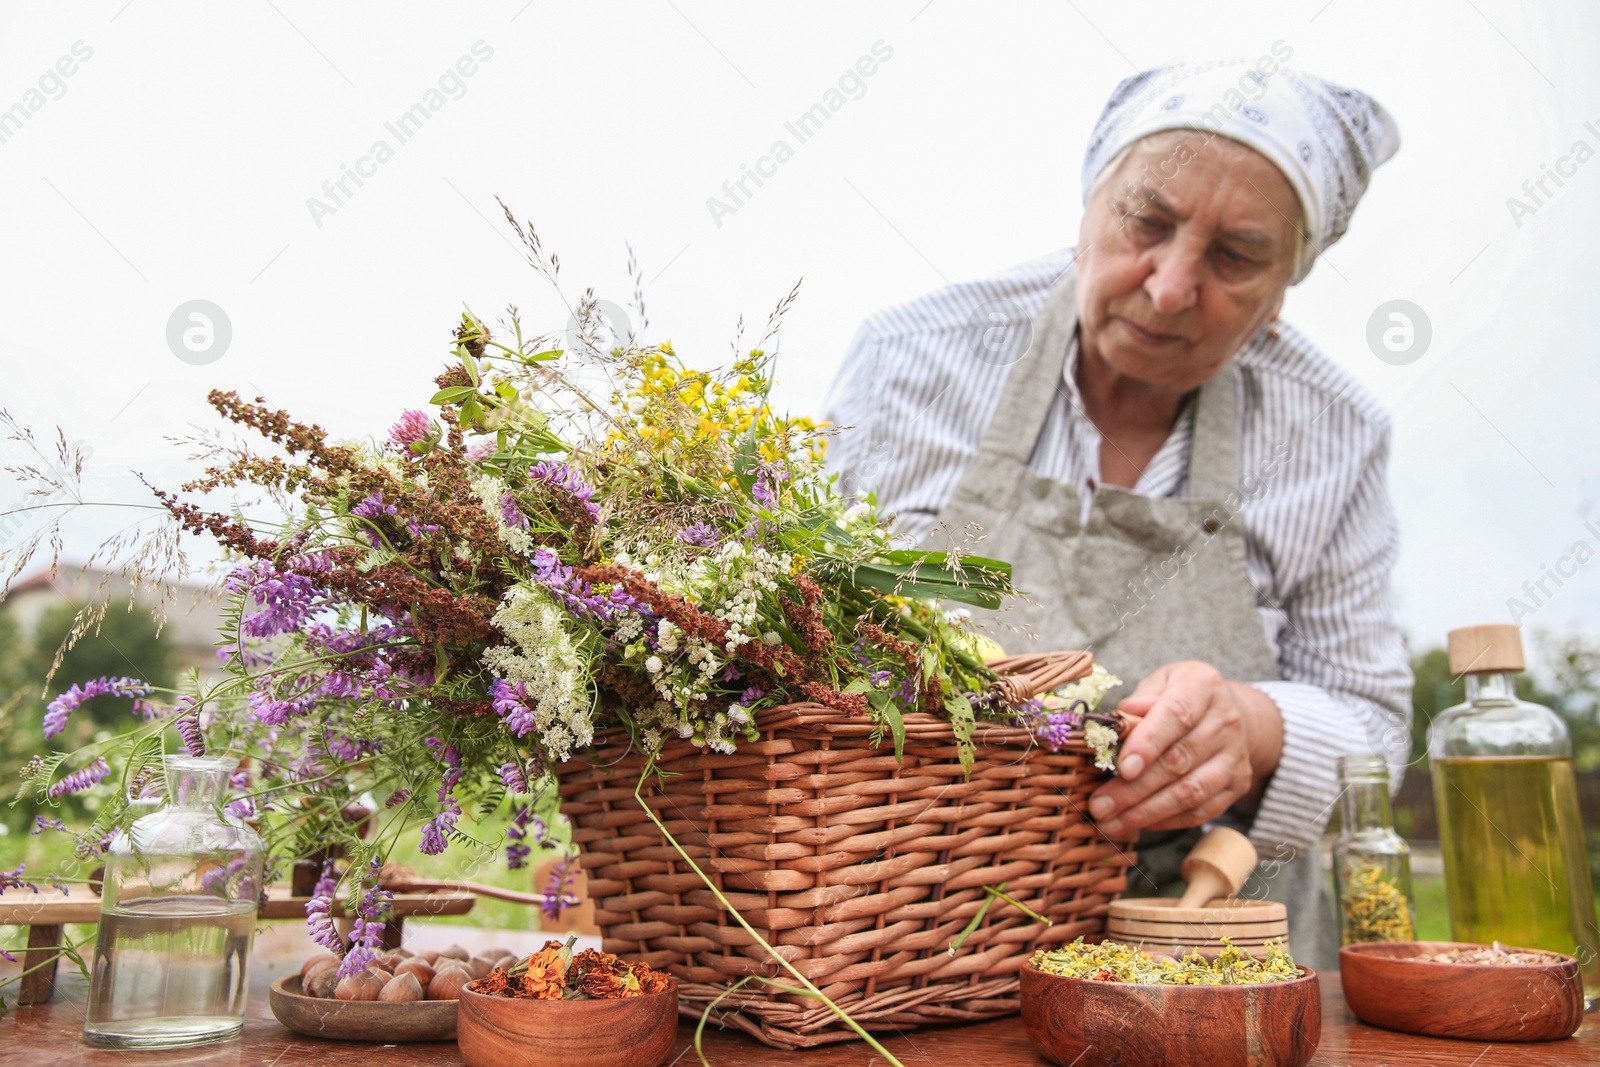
x: 1516, y: 864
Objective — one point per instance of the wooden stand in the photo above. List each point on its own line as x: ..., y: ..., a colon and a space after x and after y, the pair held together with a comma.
x: 46, y: 913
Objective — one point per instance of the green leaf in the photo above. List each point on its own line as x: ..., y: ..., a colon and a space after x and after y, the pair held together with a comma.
x: 962, y: 722
x: 934, y: 587
x: 452, y: 395
x: 541, y: 357
x: 897, y: 726
x: 860, y: 685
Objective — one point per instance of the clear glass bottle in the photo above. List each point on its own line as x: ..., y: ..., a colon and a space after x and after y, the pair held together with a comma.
x: 1516, y: 864
x: 1371, y: 863
x: 177, y: 917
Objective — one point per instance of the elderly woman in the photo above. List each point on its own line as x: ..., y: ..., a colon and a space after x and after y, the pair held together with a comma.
x: 1182, y: 483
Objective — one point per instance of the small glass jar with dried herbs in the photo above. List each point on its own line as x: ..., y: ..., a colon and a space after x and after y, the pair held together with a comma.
x: 1371, y: 863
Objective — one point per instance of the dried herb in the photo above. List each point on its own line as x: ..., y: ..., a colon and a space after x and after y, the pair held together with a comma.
x: 556, y: 973
x: 1374, y: 908
x: 1111, y: 962
x: 1496, y: 955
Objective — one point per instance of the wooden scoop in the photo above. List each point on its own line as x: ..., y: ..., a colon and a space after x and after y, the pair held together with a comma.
x: 1216, y: 867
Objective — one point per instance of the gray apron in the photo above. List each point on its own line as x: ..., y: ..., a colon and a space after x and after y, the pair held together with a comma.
x: 1138, y: 581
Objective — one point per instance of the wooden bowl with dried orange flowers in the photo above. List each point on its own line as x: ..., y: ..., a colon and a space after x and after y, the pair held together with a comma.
x: 556, y: 1006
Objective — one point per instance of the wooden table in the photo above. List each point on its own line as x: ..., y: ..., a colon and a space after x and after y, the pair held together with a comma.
x: 52, y: 1034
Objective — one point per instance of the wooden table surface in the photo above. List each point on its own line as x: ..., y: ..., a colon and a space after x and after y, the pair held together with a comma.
x: 51, y: 1034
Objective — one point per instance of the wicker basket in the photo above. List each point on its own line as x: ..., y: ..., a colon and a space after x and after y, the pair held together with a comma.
x: 861, y: 871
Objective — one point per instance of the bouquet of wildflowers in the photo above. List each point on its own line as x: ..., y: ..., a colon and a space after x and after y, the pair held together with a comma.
x: 560, y: 544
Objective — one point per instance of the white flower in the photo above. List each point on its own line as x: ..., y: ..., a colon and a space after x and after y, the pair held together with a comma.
x: 1103, y: 739
x: 667, y: 635
x: 1090, y: 689
x: 653, y: 664
x: 771, y: 638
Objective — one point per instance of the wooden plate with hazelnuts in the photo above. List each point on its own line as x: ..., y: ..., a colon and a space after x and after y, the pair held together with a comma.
x: 400, y: 997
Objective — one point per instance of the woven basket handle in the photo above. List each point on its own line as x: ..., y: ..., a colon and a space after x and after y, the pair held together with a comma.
x: 1024, y: 677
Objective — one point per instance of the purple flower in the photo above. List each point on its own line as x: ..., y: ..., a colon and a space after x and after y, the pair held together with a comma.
x: 1052, y: 728
x: 41, y: 824
x: 510, y: 514
x: 451, y: 758
x: 319, y: 912
x: 366, y: 934
x: 13, y: 880
x: 413, y: 427
x: 55, y: 714
x: 575, y: 594
x: 880, y: 679
x: 760, y: 530
x: 564, y: 478
x: 558, y: 894
x: 700, y: 534
x: 188, y: 726
x: 285, y: 600
x: 216, y: 879
x: 510, y: 702
x: 79, y: 780
x: 751, y: 695
x: 524, y: 824
x: 514, y: 779
x: 764, y: 491
x: 373, y: 509
x: 482, y: 449
x: 272, y: 711
x: 435, y: 833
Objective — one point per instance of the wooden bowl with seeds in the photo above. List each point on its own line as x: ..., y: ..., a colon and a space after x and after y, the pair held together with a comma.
x: 1387, y: 985
x: 1077, y: 1022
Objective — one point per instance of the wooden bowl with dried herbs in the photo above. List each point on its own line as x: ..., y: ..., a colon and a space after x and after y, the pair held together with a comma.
x: 1467, y: 991
x: 557, y: 1006
x: 1109, y: 1004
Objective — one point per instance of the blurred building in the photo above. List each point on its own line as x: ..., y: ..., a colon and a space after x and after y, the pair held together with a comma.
x: 192, y: 615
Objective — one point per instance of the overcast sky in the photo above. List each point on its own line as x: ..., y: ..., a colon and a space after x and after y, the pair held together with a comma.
x: 185, y: 154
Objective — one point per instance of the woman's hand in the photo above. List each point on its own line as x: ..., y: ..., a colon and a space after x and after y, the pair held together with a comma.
x: 1204, y: 744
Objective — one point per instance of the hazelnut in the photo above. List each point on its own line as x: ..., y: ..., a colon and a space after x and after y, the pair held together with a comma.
x: 322, y: 982
x: 423, y: 972
x: 364, y: 986
x: 456, y: 952
x: 317, y: 960
x: 446, y: 985
x: 479, y: 966
x: 402, y: 987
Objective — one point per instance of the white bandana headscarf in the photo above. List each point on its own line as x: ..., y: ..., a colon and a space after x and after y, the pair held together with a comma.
x: 1326, y: 139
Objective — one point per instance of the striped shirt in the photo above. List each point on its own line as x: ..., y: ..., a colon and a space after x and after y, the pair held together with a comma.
x: 1320, y: 532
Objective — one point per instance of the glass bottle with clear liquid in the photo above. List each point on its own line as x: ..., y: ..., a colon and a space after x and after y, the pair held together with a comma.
x: 1516, y: 863
x: 1371, y: 863
x: 177, y: 918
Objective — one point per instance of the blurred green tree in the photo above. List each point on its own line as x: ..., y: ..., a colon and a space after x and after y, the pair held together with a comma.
x: 126, y: 645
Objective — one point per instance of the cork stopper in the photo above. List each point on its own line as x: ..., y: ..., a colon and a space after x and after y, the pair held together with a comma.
x: 1494, y: 648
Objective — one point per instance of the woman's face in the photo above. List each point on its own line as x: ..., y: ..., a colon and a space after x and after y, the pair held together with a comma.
x: 1184, y: 252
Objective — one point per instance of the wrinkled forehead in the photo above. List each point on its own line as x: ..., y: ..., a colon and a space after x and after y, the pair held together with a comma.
x: 1173, y: 168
